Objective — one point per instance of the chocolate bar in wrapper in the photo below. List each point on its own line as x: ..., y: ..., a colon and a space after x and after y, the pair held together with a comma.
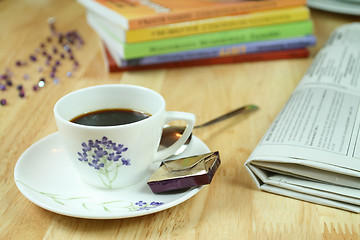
x: 185, y: 173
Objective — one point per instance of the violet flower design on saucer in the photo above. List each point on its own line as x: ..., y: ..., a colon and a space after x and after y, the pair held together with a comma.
x: 105, y: 157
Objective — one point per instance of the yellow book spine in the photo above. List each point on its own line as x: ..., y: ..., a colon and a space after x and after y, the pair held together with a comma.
x: 264, y: 18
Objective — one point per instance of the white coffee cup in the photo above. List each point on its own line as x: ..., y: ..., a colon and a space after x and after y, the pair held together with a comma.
x: 116, y: 156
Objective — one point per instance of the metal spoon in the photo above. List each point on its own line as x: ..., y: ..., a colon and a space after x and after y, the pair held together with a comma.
x: 172, y: 133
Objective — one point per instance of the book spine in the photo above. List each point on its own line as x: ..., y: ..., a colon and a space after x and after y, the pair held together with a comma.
x: 274, y: 55
x: 216, y: 24
x: 151, y: 48
x: 210, y: 12
x: 229, y: 50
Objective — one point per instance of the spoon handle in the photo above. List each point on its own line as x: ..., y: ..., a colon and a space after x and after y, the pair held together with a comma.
x: 243, y: 109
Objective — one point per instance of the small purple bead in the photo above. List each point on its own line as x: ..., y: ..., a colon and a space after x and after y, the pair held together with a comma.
x: 69, y: 74
x: 22, y: 94
x: 55, y: 50
x: 52, y: 74
x: 9, y: 83
x: 62, y: 55
x: 57, y: 63
x: 2, y: 87
x: 42, y: 45
x: 71, y: 37
x: 18, y: 63
x: 33, y: 58
x: 61, y: 38
x: 76, y: 65
x: 20, y: 87
x: 3, y: 101
x: 67, y: 48
x: 56, y: 80
x: 81, y: 41
x: 35, y: 87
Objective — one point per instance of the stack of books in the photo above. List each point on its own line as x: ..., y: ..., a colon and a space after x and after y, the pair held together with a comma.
x: 151, y: 34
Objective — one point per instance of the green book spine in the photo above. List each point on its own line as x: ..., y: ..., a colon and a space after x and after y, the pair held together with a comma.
x: 157, y: 47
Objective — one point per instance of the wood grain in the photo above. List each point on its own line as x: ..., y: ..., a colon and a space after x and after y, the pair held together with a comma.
x: 231, y: 207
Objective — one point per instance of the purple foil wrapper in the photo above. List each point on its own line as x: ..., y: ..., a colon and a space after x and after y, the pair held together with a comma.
x: 185, y: 173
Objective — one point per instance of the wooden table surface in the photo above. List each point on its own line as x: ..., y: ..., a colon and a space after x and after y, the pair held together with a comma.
x: 230, y: 208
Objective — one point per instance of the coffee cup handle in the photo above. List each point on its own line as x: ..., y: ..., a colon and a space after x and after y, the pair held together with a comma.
x: 190, y: 122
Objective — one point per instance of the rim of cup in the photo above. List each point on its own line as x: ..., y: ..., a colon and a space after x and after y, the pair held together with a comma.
x: 67, y: 121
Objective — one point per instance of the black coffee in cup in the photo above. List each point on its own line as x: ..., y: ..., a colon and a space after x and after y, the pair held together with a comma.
x: 110, y: 117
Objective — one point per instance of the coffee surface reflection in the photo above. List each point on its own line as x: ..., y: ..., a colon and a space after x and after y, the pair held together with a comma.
x: 110, y: 117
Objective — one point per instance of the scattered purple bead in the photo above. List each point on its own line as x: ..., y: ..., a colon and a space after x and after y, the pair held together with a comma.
x: 33, y: 58
x: 48, y: 48
x: 56, y: 80
x: 67, y: 48
x: 60, y: 39
x: 22, y: 94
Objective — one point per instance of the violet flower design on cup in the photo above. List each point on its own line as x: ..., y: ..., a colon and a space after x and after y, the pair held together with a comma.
x: 105, y: 157
x: 118, y: 153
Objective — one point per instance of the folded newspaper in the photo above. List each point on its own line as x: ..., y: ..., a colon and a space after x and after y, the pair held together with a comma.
x: 312, y: 149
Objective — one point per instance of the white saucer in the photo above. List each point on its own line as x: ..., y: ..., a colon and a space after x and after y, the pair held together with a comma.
x: 338, y: 6
x: 45, y: 176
